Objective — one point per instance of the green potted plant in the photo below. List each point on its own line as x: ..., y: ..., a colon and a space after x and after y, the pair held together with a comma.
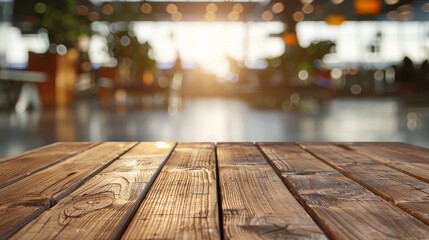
x: 129, y: 52
x: 65, y: 22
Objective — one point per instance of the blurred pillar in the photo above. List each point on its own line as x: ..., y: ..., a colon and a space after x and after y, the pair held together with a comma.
x: 66, y: 77
x: 59, y: 90
x: 5, y: 22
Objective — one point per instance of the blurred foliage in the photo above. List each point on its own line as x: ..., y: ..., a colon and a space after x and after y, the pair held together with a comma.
x: 297, y: 58
x: 62, y: 21
x: 125, y: 47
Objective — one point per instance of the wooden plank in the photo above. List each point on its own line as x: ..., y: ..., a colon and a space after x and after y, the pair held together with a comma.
x: 403, y: 161
x: 408, y: 193
x: 343, y: 208
x: 26, y: 199
x: 255, y: 202
x: 182, y: 203
x: 405, y: 148
x: 102, y: 207
x: 19, y: 167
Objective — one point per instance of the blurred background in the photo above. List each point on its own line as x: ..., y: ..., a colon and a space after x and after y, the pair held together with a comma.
x: 244, y: 70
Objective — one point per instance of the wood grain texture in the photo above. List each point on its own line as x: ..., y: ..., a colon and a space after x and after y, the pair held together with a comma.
x: 102, y: 207
x: 19, y: 167
x: 255, y: 202
x: 399, y: 156
x: 404, y: 148
x: 26, y: 199
x: 344, y: 209
x: 408, y: 193
x: 182, y: 203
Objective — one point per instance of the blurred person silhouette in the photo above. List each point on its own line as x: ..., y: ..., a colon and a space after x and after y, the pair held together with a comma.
x: 177, y: 74
x: 423, y: 77
x: 234, y: 69
x: 146, y: 59
x: 405, y: 76
x: 176, y: 84
x: 177, y: 67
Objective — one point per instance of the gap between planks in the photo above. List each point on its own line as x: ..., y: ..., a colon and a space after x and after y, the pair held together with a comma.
x: 33, y: 195
x: 218, y: 187
x: 296, y: 194
x: 254, y: 197
x: 150, y: 184
x: 416, y: 166
x: 103, y: 206
x: 219, y: 196
x: 182, y: 203
x: 40, y: 160
x: 402, y: 190
x: 316, y: 185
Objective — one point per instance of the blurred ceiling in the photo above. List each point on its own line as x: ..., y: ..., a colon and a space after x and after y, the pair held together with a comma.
x: 253, y: 9
x: 288, y: 11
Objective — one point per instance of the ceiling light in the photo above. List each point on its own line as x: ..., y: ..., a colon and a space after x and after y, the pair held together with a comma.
x: 336, y: 2
x: 298, y: 16
x: 391, y: 2
x: 233, y: 16
x: 172, y: 8
x: 307, y: 9
x: 211, y: 8
x: 267, y: 15
x: 146, y: 8
x: 238, y: 7
x: 278, y: 7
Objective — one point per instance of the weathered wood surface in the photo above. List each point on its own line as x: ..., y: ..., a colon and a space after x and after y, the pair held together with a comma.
x: 390, y: 154
x: 102, y: 207
x: 343, y: 208
x: 404, y: 148
x: 26, y: 199
x: 200, y: 191
x: 255, y: 202
x: 182, y: 202
x: 16, y: 168
x: 408, y: 193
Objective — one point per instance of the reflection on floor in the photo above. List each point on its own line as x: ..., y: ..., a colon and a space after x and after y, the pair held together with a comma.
x: 217, y: 120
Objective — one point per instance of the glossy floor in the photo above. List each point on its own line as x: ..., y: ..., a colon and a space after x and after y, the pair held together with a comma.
x: 217, y: 120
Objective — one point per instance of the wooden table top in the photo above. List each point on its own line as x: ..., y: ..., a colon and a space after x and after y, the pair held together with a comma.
x: 159, y: 190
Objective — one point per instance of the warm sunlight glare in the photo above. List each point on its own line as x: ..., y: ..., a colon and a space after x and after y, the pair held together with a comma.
x: 210, y: 45
x: 162, y: 145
